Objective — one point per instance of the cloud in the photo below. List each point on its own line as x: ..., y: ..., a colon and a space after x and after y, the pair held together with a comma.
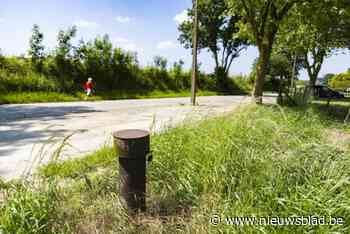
x: 2, y: 20
x: 86, y: 24
x: 164, y: 45
x: 123, y: 19
x: 181, y: 17
x: 131, y: 47
x: 127, y: 44
x: 121, y: 40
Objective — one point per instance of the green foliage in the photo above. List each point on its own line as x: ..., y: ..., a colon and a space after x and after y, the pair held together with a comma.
x: 312, y: 32
x: 66, y: 69
x: 261, y: 18
x: 279, y: 75
x: 36, y: 50
x: 77, y: 167
x: 262, y: 162
x: 261, y: 21
x: 62, y: 65
x: 326, y: 79
x: 242, y: 82
x: 340, y: 81
x: 38, y: 97
x: 160, y: 62
x: 217, y: 32
x: 30, y: 81
x: 29, y: 209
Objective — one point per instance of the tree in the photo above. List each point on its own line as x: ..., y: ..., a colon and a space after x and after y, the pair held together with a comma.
x: 312, y: 32
x: 340, y: 81
x: 63, y: 57
x: 110, y: 67
x: 36, y: 50
x: 263, y: 19
x: 345, y: 22
x: 64, y: 39
x: 280, y: 72
x: 327, y: 78
x: 160, y: 62
x: 178, y: 66
x: 217, y: 32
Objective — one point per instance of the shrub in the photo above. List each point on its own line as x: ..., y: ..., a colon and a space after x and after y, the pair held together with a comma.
x: 340, y: 81
x: 30, y: 81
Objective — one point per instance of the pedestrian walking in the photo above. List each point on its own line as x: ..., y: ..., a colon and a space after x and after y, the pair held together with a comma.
x: 88, y: 87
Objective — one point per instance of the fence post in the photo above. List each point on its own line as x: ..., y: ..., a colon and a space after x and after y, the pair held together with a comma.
x: 132, y: 147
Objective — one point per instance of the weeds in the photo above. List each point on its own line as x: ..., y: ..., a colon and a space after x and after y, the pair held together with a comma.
x: 259, y: 162
x: 29, y: 208
x: 39, y: 97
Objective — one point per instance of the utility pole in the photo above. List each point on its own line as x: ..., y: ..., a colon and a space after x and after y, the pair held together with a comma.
x: 194, y: 52
x: 293, y: 72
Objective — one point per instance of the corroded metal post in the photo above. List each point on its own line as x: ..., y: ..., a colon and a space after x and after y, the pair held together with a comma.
x: 132, y: 147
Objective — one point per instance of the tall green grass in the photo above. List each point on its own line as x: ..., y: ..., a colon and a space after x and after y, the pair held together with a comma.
x: 29, y: 208
x: 261, y: 161
x: 42, y: 97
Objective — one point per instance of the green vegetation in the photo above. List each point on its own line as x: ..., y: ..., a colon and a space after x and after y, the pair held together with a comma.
x: 262, y: 20
x: 314, y: 37
x: 75, y: 168
x: 260, y: 161
x: 305, y: 29
x: 37, y: 97
x: 218, y: 33
x: 340, y: 81
x: 280, y: 72
x: 59, y: 75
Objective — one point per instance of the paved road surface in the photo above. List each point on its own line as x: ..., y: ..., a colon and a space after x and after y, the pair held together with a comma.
x: 28, y: 131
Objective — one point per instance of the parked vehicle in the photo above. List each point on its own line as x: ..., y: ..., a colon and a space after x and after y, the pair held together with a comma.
x: 321, y: 91
x: 347, y: 93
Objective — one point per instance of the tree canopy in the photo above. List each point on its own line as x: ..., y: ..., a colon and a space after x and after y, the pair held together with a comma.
x: 36, y: 47
x: 340, y: 81
x: 217, y: 32
x: 314, y: 30
x: 261, y: 22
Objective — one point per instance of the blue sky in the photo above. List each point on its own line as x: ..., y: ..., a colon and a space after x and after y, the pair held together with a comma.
x: 148, y: 27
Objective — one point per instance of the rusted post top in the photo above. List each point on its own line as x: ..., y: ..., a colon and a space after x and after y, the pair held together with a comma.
x: 131, y: 134
x: 132, y: 143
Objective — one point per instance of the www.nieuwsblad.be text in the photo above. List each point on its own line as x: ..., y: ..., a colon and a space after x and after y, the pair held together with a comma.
x: 276, y: 221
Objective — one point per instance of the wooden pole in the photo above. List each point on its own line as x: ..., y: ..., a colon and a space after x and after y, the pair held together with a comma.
x: 293, y: 73
x: 194, y: 53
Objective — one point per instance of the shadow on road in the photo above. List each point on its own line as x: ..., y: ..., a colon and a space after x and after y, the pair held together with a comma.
x: 17, y: 122
x: 10, y: 113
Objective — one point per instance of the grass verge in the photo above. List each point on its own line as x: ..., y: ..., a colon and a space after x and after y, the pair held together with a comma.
x: 260, y: 162
x: 40, y: 97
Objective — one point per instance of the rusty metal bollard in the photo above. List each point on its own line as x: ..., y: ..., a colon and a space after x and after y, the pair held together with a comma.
x: 132, y: 147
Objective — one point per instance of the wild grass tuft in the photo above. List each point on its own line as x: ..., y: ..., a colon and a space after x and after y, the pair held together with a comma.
x: 41, y: 97
x: 261, y: 161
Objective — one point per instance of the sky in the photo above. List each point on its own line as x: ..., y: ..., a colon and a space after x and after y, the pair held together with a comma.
x: 148, y: 27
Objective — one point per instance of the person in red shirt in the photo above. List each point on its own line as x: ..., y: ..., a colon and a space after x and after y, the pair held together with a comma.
x: 88, y: 87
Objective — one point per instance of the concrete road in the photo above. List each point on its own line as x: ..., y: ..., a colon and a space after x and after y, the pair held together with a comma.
x: 30, y: 133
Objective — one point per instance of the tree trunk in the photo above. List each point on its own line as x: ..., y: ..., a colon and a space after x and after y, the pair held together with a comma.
x: 216, y: 58
x: 314, y: 69
x: 262, y: 70
x: 313, y: 79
